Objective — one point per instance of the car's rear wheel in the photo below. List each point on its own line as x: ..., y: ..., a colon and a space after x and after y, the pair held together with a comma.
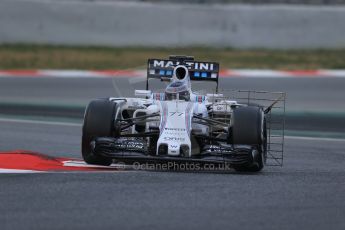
x: 99, y: 121
x: 249, y: 128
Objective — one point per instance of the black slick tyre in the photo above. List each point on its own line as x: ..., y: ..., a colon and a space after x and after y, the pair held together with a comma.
x: 99, y: 120
x: 248, y: 128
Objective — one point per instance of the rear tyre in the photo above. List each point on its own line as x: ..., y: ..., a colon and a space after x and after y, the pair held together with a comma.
x: 249, y: 128
x: 99, y: 120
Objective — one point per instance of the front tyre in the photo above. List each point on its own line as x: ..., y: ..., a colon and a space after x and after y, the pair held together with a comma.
x: 249, y: 128
x: 99, y: 120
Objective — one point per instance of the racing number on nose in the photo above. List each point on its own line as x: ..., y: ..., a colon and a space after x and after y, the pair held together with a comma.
x: 176, y: 114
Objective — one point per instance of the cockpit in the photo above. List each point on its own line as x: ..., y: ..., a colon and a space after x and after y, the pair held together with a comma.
x: 177, y: 90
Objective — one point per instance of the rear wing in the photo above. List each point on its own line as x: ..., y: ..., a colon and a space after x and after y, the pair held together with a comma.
x: 198, y: 71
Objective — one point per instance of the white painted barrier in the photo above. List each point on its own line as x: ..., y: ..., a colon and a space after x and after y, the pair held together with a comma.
x: 146, y: 24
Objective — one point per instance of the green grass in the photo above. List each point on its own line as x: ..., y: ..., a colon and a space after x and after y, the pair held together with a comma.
x: 68, y: 57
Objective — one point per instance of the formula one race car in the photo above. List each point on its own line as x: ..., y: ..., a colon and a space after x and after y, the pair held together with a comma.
x: 177, y: 125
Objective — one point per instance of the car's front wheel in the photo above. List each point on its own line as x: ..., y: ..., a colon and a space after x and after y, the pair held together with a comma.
x: 248, y: 128
x: 99, y: 120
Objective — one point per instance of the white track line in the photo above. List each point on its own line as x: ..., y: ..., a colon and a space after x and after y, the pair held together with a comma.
x: 79, y: 125
x: 25, y: 121
x: 18, y: 171
x: 314, y: 138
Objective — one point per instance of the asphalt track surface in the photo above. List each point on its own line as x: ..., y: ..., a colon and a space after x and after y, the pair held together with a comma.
x: 306, y: 94
x: 308, y: 192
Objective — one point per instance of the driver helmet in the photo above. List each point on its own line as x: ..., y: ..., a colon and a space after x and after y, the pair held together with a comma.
x: 177, y: 87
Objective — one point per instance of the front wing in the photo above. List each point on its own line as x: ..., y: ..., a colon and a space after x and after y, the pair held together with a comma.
x: 136, y: 150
